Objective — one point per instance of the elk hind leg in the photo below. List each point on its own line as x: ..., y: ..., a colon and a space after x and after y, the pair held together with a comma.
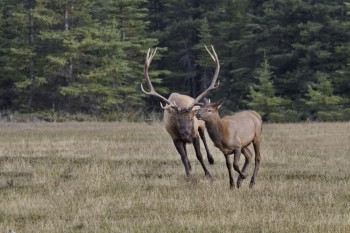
x: 237, y: 155
x: 209, y: 156
x: 257, y: 162
x: 248, y: 156
x: 229, y: 168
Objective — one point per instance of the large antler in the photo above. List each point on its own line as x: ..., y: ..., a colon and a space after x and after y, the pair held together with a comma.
x: 149, y: 57
x: 213, y: 81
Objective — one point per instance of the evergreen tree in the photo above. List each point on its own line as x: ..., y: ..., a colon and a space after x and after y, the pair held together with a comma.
x: 324, y: 105
x: 131, y: 16
x: 87, y: 56
x: 179, y: 36
x: 75, y: 61
x: 203, y: 60
x: 262, y: 95
x: 7, y: 79
x: 299, y: 37
x: 100, y: 67
x: 181, y: 22
x: 235, y: 52
x: 22, y: 66
x: 342, y: 80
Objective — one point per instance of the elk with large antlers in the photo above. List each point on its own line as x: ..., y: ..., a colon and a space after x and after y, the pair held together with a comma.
x: 232, y: 135
x: 179, y: 116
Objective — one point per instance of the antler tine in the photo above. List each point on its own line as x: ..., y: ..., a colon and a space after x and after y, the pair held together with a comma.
x: 210, y: 52
x: 149, y: 57
x: 174, y: 106
x: 212, y: 86
x: 164, y: 107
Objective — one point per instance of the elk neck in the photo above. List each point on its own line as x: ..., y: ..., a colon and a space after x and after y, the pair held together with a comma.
x: 215, y: 129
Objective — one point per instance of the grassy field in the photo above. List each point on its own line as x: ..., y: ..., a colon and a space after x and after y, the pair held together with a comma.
x: 128, y: 177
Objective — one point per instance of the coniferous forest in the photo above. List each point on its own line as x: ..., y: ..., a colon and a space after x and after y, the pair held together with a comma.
x: 287, y: 59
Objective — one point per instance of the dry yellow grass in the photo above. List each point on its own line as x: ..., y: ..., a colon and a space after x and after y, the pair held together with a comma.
x: 128, y: 177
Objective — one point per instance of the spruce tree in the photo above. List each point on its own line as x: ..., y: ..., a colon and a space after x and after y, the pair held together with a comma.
x: 237, y: 61
x: 324, y: 105
x: 300, y: 38
x: 131, y: 18
x: 21, y: 60
x: 342, y: 80
x: 262, y: 95
x: 203, y: 60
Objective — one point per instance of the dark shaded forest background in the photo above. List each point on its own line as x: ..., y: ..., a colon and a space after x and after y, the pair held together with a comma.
x: 287, y: 59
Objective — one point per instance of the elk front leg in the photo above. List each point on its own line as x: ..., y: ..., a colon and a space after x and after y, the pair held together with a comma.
x: 209, y: 156
x: 257, y: 162
x: 182, y: 151
x: 229, y: 168
x: 188, y: 161
x: 248, y: 156
x: 237, y: 156
x: 200, y: 157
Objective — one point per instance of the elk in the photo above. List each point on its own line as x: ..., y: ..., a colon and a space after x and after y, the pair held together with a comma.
x: 179, y: 116
x: 232, y: 135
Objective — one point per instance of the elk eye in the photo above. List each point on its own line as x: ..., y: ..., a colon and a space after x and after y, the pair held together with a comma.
x: 209, y: 110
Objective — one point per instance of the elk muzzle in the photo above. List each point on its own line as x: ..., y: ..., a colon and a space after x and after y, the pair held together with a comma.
x: 186, y: 133
x: 185, y: 127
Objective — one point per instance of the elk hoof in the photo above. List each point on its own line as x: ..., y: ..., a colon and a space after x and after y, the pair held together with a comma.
x: 239, y: 182
x: 210, y: 160
x: 252, y: 183
x: 208, y: 176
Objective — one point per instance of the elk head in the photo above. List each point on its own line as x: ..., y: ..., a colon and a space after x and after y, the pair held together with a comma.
x: 210, y: 110
x: 182, y: 114
x: 184, y: 120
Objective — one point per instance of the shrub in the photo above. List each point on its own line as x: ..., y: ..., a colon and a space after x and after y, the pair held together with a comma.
x: 291, y: 116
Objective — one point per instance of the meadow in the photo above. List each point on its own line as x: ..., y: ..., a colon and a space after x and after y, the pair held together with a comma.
x: 128, y: 177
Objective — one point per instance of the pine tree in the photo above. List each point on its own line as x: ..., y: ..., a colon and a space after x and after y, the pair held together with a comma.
x: 321, y: 99
x: 300, y: 38
x: 22, y: 65
x: 131, y: 17
x: 87, y: 56
x: 75, y: 61
x: 237, y: 61
x: 262, y: 96
x: 342, y: 80
x: 203, y: 60
x: 179, y: 31
x: 100, y: 67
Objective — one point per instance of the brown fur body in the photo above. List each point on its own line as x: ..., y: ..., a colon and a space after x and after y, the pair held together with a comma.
x: 183, y: 127
x: 179, y: 115
x: 232, y: 135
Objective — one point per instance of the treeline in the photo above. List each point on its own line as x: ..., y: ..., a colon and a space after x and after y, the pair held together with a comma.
x: 287, y: 59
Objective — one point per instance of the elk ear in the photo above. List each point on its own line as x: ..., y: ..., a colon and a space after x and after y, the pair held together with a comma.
x: 220, y: 102
x: 194, y: 110
x: 206, y: 100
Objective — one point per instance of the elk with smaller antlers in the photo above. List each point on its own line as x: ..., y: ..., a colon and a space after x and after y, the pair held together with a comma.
x: 179, y: 116
x: 232, y: 135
